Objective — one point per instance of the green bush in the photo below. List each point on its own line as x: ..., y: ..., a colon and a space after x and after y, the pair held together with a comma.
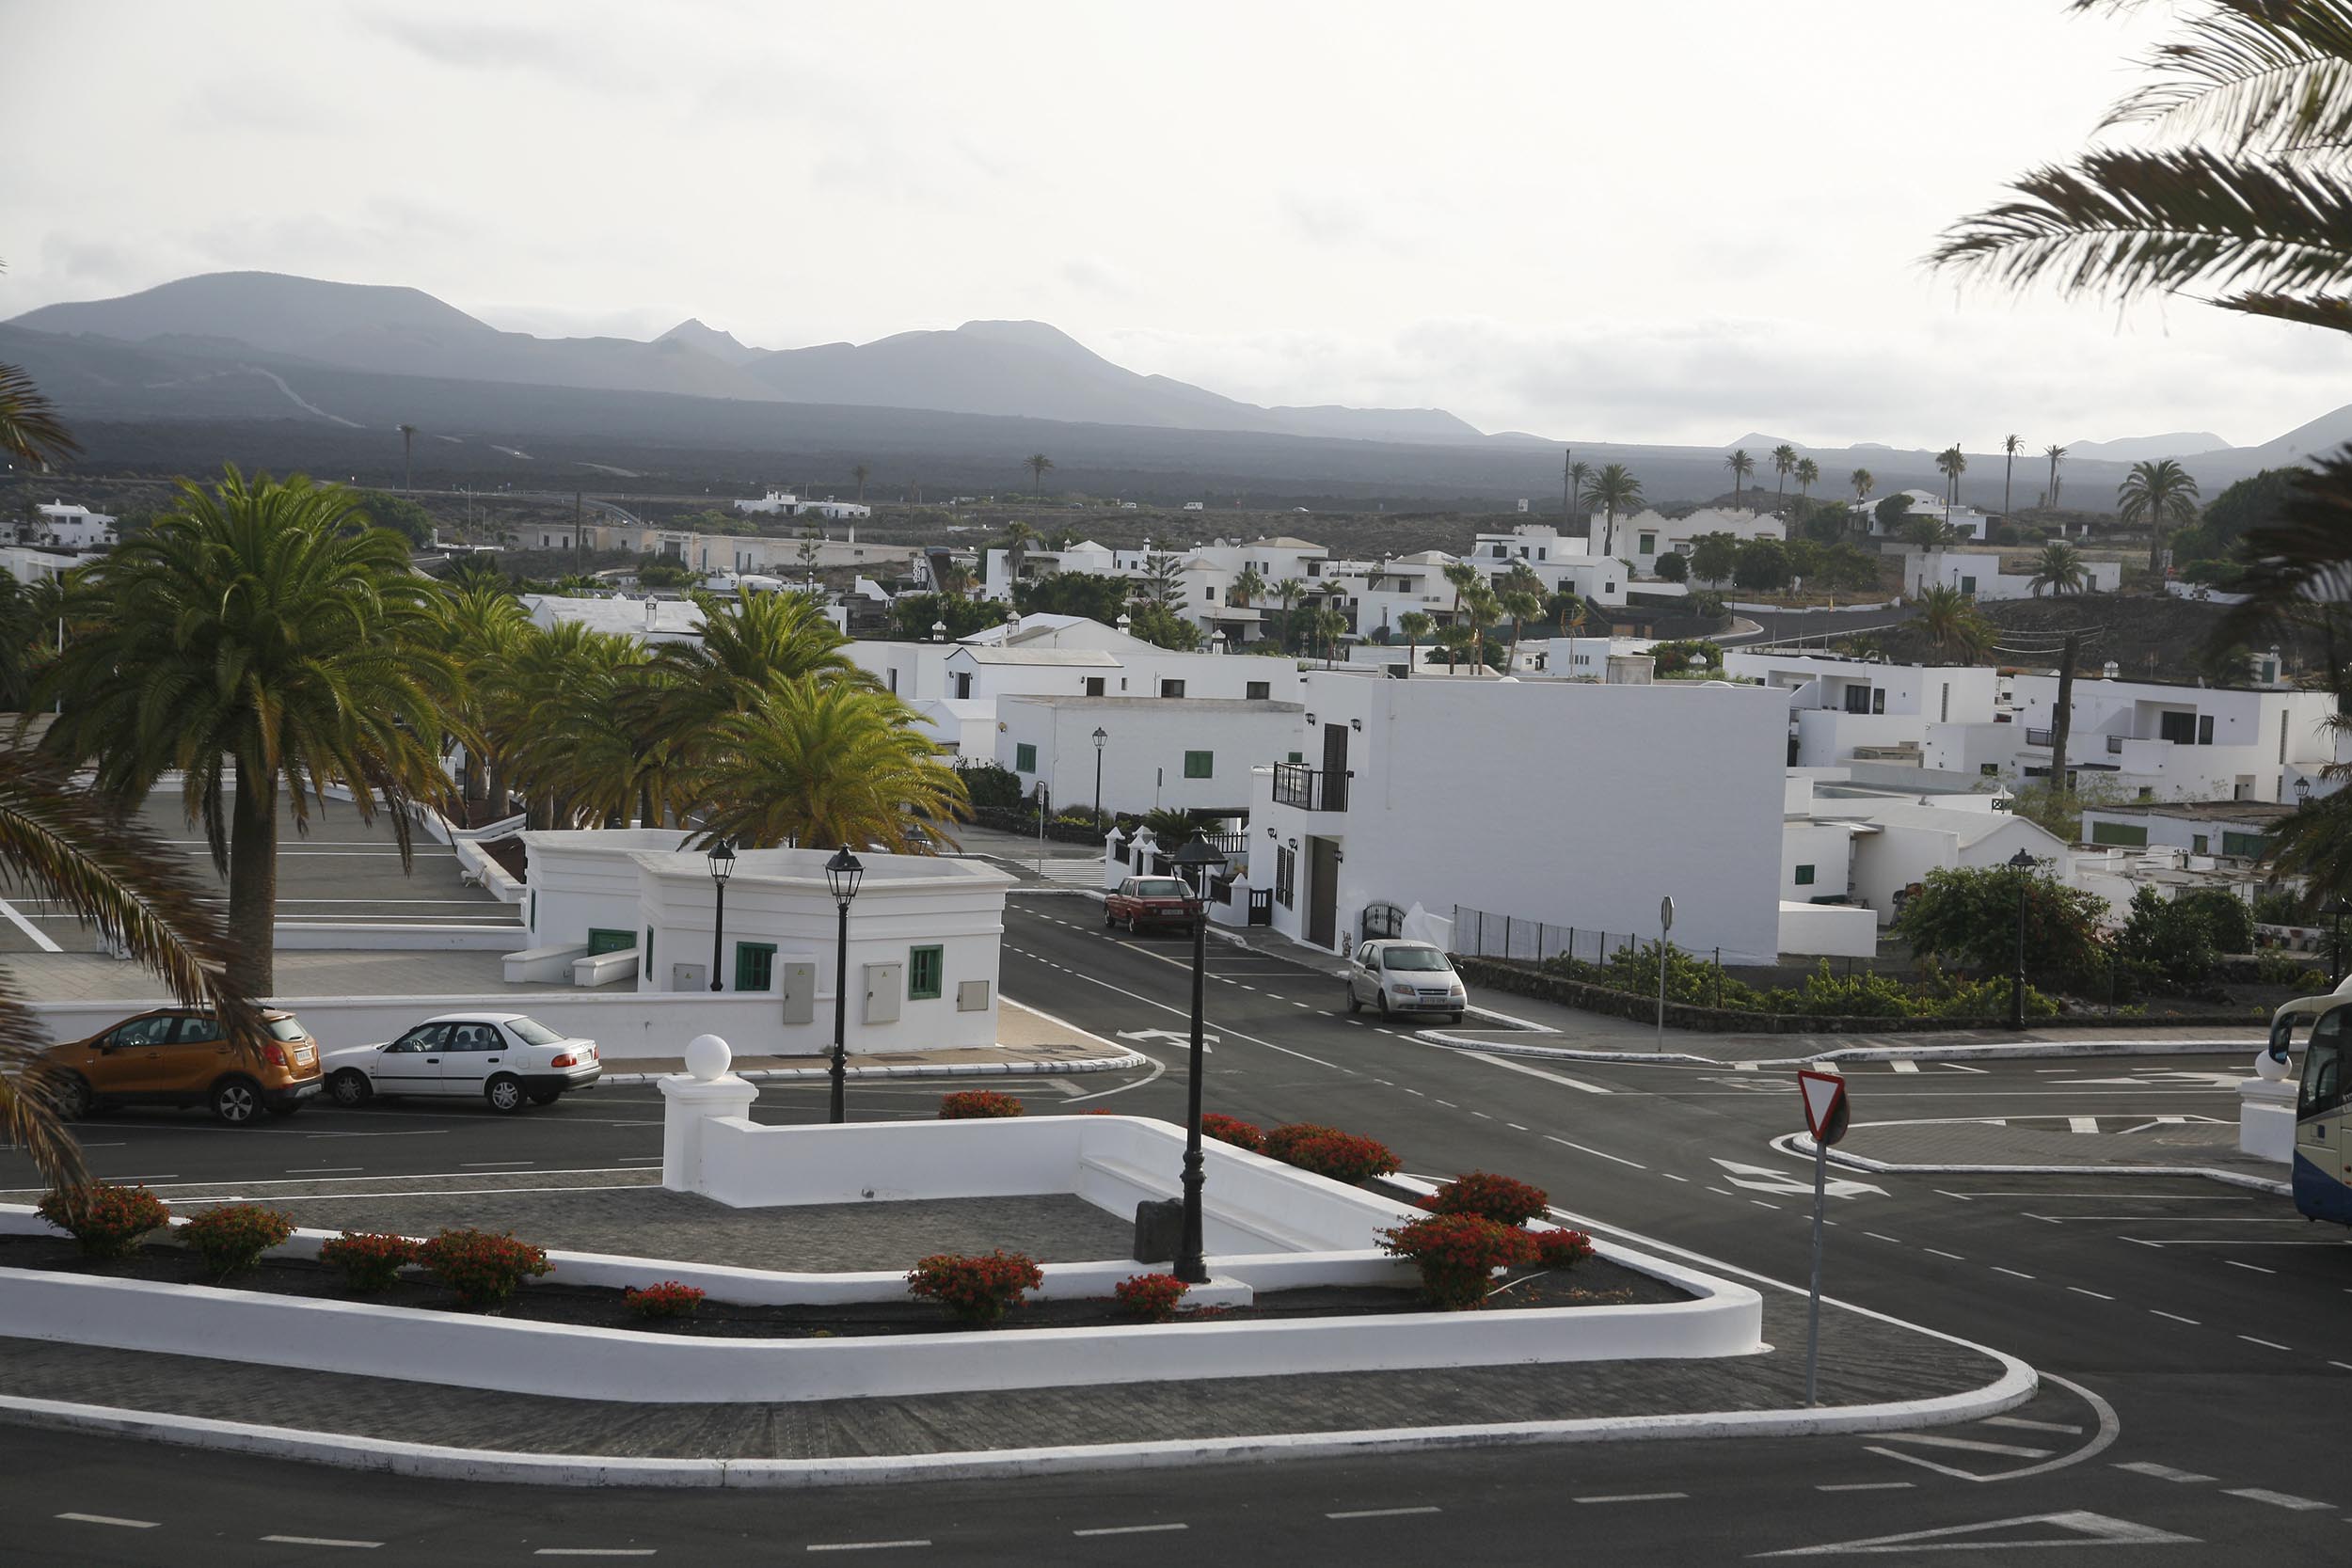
x: 989, y: 785
x: 1828, y: 994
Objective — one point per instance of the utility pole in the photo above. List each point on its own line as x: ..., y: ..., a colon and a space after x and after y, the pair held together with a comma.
x: 2063, y: 719
x: 1567, y: 488
x: 580, y: 533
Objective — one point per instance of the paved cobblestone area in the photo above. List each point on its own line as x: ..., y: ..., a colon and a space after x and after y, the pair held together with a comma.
x: 1863, y: 1361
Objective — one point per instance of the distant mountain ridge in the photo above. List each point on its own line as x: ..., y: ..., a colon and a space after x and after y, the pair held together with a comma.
x: 1022, y: 369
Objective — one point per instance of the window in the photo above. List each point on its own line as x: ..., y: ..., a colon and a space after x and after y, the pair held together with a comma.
x: 1968, y: 586
x: 1094, y: 686
x: 2178, y: 728
x: 1878, y: 699
x: 2323, y: 1068
x: 644, y: 954
x: 144, y: 1031
x: 2244, y: 846
x: 2147, y: 792
x: 1648, y: 545
x: 1211, y: 593
x: 963, y: 683
x: 2196, y: 843
x: 200, y: 1031
x: 1804, y: 876
x: 2283, y: 733
x: 2118, y: 832
x: 1171, y: 688
x: 1298, y: 756
x: 1258, y: 691
x: 1286, y: 874
x: 927, y: 969
x: 1200, y: 765
x: 1023, y: 757
x: 1993, y: 770
x: 2204, y: 729
x: 601, y: 940
x: 754, y: 965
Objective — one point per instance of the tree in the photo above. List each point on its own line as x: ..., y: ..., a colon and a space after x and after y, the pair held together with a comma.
x: 2160, y: 494
x: 1863, y: 482
x: 1612, y: 490
x: 861, y: 473
x: 1969, y: 916
x: 1891, y: 511
x: 1162, y: 626
x: 2057, y: 455
x: 2257, y: 502
x: 1762, y: 565
x: 1950, y: 620
x: 1089, y: 593
x: 1829, y: 522
x: 1415, y: 626
x: 403, y: 516
x: 1784, y: 462
x: 1248, y: 587
x: 1331, y: 624
x: 2010, y: 446
x: 912, y: 615
x: 1808, y: 474
x: 1672, y: 567
x: 1163, y: 580
x: 2058, y: 568
x: 816, y: 763
x: 1522, y: 605
x: 485, y: 626
x: 30, y: 430
x: 1714, y: 557
x: 1577, y: 474
x: 1039, y: 465
x: 1464, y: 579
x: 260, y: 626
x: 1953, y: 461
x: 751, y: 641
x: 1288, y: 593
x: 1741, y: 465
x: 1019, y: 536
x: 2182, y: 939
x: 1926, y: 531
x: 407, y: 447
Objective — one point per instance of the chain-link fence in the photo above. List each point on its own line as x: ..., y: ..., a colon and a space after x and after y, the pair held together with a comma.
x: 1483, y: 934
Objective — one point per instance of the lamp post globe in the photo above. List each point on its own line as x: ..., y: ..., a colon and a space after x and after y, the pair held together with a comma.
x: 721, y: 858
x: 1196, y: 863
x: 843, y: 873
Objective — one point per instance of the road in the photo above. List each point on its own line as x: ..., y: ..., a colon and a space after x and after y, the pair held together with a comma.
x: 2192, y: 1337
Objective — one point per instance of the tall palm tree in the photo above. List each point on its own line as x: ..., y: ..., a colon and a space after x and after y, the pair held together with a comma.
x: 1331, y: 624
x: 1247, y: 588
x: 30, y: 430
x: 408, y: 449
x: 2010, y: 446
x: 1019, y: 536
x: 1954, y: 463
x: 1741, y: 465
x: 1784, y: 462
x: 753, y: 641
x: 1612, y: 490
x: 1521, y: 606
x: 1809, y: 475
x: 557, y: 702
x: 1863, y: 482
x: 1949, y: 619
x: 1481, y: 609
x: 1466, y: 579
x: 2058, y: 568
x: 2056, y: 454
x: 861, y: 473
x: 260, y: 627
x: 1578, y: 473
x: 485, y: 626
x: 827, y: 761
x: 1039, y: 465
x: 1415, y: 624
x: 2159, y: 494
x: 1289, y: 592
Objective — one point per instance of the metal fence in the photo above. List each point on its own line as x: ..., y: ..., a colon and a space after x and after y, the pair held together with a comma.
x: 1483, y: 934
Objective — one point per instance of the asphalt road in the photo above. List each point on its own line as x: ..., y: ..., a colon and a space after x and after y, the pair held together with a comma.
x: 2192, y: 1337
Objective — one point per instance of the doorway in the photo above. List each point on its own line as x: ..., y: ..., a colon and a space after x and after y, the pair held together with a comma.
x: 1322, y: 891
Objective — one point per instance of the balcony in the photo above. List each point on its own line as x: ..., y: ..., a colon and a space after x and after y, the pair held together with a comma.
x: 2036, y: 738
x: 1309, y: 788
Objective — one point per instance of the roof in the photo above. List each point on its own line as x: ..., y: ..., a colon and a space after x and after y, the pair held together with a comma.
x: 1967, y: 827
x: 2253, y: 812
x: 671, y: 617
x: 1156, y: 704
x: 1284, y: 542
x: 1091, y: 658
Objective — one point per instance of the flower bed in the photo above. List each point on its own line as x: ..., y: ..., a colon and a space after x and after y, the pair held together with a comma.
x: 977, y: 1104
x: 1328, y: 1152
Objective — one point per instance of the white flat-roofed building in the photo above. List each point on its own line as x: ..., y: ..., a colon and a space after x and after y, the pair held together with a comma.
x: 69, y: 525
x: 648, y: 620
x: 1649, y: 533
x: 1188, y: 754
x: 1843, y: 710
x: 1991, y: 574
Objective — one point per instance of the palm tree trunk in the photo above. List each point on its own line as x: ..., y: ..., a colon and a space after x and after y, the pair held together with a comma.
x: 2008, y: 466
x: 253, y: 884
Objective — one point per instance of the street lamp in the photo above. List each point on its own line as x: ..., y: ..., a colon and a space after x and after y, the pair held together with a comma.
x: 2022, y: 863
x: 1100, y: 736
x: 2302, y: 793
x: 721, y: 868
x: 842, y: 875
x: 1200, y: 857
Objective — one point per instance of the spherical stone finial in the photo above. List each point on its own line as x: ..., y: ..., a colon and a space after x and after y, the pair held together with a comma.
x: 2269, y: 1068
x: 707, y: 1057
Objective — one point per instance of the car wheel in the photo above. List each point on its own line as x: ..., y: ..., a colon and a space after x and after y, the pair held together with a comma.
x: 504, y: 1093
x: 287, y: 1109
x: 1386, y: 1016
x: 351, y: 1087
x: 75, y: 1099
x: 1355, y: 1004
x: 1134, y: 929
x: 1110, y: 920
x: 235, y: 1099
x: 546, y: 1097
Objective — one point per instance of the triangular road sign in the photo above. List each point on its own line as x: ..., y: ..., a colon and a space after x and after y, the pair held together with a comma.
x: 1824, y: 1104
x: 2072, y: 1529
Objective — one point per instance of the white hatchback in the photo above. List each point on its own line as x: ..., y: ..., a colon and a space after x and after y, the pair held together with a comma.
x: 1405, y: 977
x: 506, y: 1058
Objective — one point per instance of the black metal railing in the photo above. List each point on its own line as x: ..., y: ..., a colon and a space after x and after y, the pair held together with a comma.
x: 1309, y: 788
x: 2036, y: 738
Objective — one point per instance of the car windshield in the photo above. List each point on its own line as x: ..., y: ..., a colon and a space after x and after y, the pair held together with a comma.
x: 532, y: 1032
x: 288, y: 1028
x: 1159, y: 887
x: 1414, y: 957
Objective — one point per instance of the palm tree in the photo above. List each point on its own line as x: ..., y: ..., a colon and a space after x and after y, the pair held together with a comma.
x: 1039, y: 465
x: 2159, y: 494
x: 1614, y: 489
x: 1954, y: 463
x: 1481, y: 609
x: 752, y: 642
x: 1415, y: 624
x: 408, y: 449
x: 260, y: 625
x: 1289, y: 591
x: 2056, y: 454
x: 827, y: 761
x: 1331, y: 624
x: 1949, y: 619
x: 1019, y: 536
x: 2010, y: 446
x: 30, y: 430
x: 861, y: 473
x: 1247, y: 587
x: 1521, y: 606
x: 485, y: 626
x: 1809, y: 475
x: 2058, y: 568
x: 1783, y: 460
x: 1741, y: 465
x: 1466, y: 579
x: 559, y: 702
x: 1578, y: 473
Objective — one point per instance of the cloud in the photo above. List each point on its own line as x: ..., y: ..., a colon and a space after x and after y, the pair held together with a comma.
x: 1092, y: 274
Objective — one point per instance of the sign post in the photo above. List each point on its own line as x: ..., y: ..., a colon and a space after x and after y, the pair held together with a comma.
x: 1665, y: 925
x: 1825, y: 1117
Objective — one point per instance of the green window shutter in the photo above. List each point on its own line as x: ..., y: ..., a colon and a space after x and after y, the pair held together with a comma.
x: 1804, y: 876
x: 645, y: 960
x: 754, y: 965
x: 1023, y: 757
x: 1200, y: 765
x: 2246, y: 845
x: 925, y: 972
x: 600, y: 940
x: 2117, y: 832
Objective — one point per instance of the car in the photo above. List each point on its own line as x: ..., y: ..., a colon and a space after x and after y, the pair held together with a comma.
x: 1141, y: 901
x: 182, y: 1056
x: 1405, y: 977
x: 507, y: 1059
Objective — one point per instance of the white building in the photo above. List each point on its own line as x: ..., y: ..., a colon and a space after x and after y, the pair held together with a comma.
x: 1845, y: 710
x: 2223, y: 830
x: 1577, y: 804
x: 1189, y: 753
x: 30, y: 566
x: 1968, y: 520
x: 1649, y: 533
x: 648, y: 620
x: 1896, y: 841
x: 1993, y: 575
x: 783, y: 503
x: 69, y: 526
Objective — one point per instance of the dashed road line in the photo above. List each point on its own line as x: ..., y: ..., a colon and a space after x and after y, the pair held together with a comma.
x: 1131, y: 1529
x: 109, y: 1519
x: 1382, y: 1513
x: 594, y: 1551
x: 860, y: 1545
x: 2014, y: 1273
x: 2276, y: 1499
x: 2162, y: 1472
x: 1598, y: 1154
x: 2175, y: 1317
x: 2095, y: 1296
x: 1868, y: 1485
x: 1672, y: 1177
x: 2266, y: 1344
x: 2256, y: 1268
x: 320, y: 1540
x: 1941, y: 1253
x: 1634, y: 1498
x: 1878, y: 1237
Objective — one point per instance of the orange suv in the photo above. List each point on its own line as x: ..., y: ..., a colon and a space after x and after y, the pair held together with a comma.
x: 176, y: 1057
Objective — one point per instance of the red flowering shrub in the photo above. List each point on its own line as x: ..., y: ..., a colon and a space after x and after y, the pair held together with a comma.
x: 234, y: 1237
x: 483, y: 1269
x: 370, y: 1259
x: 668, y: 1299
x: 1327, y: 1151
x: 970, y: 1104
x: 1150, y: 1298
x: 977, y: 1290
x: 106, y: 1219
x: 1490, y: 1197
x: 1233, y: 1129
x: 1456, y: 1254
x: 1562, y: 1249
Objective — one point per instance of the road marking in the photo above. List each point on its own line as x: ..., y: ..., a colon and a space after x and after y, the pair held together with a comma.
x: 1634, y: 1498
x: 2081, y: 1527
x: 2024, y: 1425
x: 2266, y: 1344
x: 1761, y: 1204
x: 1961, y: 1067
x: 1382, y: 1513
x: 1720, y: 1193
x: 1869, y: 1485
x: 1876, y: 1237
x: 2161, y: 1472
x: 1515, y: 1127
x: 2082, y: 1124
x: 494, y: 1164
x: 594, y: 1551
x: 1967, y: 1445
x: 2013, y: 1274
x: 2093, y: 1294
x: 321, y: 1170
x: 859, y: 1545
x: 1941, y: 1253
x: 2175, y: 1317
x: 41, y: 938
x: 1966, y: 1199
x: 320, y: 1540
x: 1537, y: 1073
x: 1594, y: 1152
x: 108, y: 1519
x: 2276, y: 1499
x: 2255, y: 1267
x: 1130, y: 1529
x: 1903, y: 1064
x: 1672, y: 1177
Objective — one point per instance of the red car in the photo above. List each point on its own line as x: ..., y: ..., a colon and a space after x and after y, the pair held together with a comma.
x: 1141, y: 901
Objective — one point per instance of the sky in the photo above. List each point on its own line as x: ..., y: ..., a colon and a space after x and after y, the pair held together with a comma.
x: 1673, y: 221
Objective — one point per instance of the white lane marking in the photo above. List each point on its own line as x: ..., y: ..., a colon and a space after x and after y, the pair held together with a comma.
x: 1633, y: 1497
x: 1134, y: 996
x: 1720, y: 1193
x: 1966, y: 1199
x: 1536, y: 1072
x: 2175, y: 1317
x: 1903, y: 1064
x: 1596, y: 1154
x: 494, y: 1164
x: 1876, y: 1237
x: 1130, y: 1529
x: 1961, y: 1067
x: 1761, y: 1204
x: 1941, y: 1253
x: 107, y: 1519
x: 859, y: 1545
x: 594, y: 1551
x: 320, y: 1170
x: 2082, y: 1528
x: 1868, y: 1485
x: 2014, y: 1273
x: 41, y: 938
x: 2266, y: 1344
x: 1672, y: 1177
x: 1967, y: 1445
x: 1382, y: 1513
x: 2082, y: 1124
x: 2276, y: 1499
x: 2024, y: 1425
x: 2161, y: 1472
x: 1515, y: 1127
x: 2093, y: 1294
x: 2257, y: 1268
x: 405, y: 1132
x: 320, y: 1540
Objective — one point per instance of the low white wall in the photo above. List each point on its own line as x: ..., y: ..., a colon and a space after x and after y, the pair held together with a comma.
x: 333, y: 937
x: 1834, y: 930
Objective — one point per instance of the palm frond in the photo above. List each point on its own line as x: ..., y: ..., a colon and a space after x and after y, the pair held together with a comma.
x: 2301, y: 561
x: 32, y: 1092
x: 29, y: 426
x: 2261, y: 76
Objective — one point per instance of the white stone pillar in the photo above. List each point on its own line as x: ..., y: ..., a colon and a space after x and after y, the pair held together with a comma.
x: 693, y: 1099
x: 2266, y: 1112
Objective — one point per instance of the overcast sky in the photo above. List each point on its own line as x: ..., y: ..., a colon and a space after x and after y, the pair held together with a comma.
x: 1666, y: 221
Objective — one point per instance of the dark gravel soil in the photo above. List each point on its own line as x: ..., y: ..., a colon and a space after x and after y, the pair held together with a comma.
x: 1592, y: 1283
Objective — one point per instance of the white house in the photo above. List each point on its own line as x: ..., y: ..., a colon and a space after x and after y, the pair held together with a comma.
x: 1189, y: 753
x: 69, y: 526
x: 1577, y: 804
x: 1844, y: 710
x: 648, y: 620
x: 1649, y: 533
x: 1986, y: 574
x: 2225, y: 830
x: 30, y: 566
x: 783, y: 503
x: 1896, y: 841
x: 1969, y: 522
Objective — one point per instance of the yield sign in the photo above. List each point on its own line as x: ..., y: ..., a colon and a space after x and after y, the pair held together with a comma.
x: 1824, y: 1104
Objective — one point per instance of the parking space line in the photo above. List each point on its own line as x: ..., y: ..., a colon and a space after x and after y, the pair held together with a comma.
x: 2276, y: 1499
x: 1382, y: 1513
x: 108, y: 1519
x: 1131, y: 1529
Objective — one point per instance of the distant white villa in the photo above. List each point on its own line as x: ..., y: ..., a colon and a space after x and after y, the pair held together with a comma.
x: 783, y: 503
x: 68, y: 526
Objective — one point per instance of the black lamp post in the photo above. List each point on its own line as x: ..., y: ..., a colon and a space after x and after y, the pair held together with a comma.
x: 2022, y: 863
x: 721, y: 868
x: 1100, y: 736
x: 842, y: 875
x: 1202, y: 861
